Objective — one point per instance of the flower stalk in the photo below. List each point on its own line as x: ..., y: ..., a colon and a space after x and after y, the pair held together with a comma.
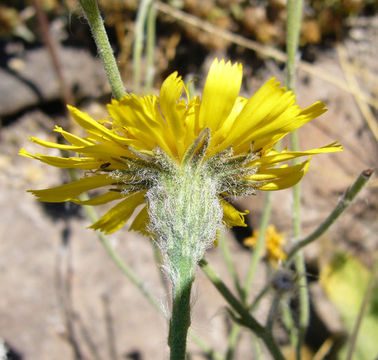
x: 294, y: 11
x: 342, y: 205
x: 96, y: 24
x: 180, y: 319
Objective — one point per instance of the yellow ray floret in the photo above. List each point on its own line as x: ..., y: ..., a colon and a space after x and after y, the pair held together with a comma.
x: 124, y: 154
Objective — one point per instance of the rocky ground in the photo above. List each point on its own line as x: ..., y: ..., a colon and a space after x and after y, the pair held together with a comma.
x: 61, y: 295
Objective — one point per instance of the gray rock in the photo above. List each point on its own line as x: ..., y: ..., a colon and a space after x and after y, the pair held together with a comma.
x: 30, y: 78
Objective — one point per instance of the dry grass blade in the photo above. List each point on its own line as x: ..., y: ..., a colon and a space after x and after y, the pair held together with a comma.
x: 355, y: 89
x: 264, y: 50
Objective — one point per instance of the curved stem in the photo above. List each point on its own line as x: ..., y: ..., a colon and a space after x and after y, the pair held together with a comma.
x: 342, y: 205
x: 246, y: 319
x: 104, y: 49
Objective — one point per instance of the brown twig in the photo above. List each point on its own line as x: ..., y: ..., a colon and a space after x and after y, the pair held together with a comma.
x: 51, y: 48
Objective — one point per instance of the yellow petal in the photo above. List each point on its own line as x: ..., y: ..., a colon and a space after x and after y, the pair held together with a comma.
x: 221, y: 90
x: 67, y: 163
x: 170, y: 93
x: 280, y: 178
x: 100, y: 200
x: 117, y: 216
x: 72, y: 190
x: 231, y: 216
x: 269, y: 99
x: 50, y: 144
x: 274, y: 157
x: 139, y: 116
x: 95, y: 128
x: 104, y: 151
x: 287, y: 122
x: 140, y: 222
x: 73, y: 139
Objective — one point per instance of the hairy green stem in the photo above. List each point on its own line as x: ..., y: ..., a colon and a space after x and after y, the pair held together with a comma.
x: 342, y: 205
x: 126, y: 270
x: 92, y: 13
x: 180, y: 320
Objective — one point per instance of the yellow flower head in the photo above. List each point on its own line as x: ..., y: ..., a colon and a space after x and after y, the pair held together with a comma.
x: 274, y: 242
x: 147, y: 137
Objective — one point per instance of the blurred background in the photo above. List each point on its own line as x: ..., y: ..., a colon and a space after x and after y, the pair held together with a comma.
x: 61, y: 297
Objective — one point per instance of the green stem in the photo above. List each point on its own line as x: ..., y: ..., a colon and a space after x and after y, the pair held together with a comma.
x: 138, y: 42
x: 294, y: 15
x: 104, y: 49
x: 293, y: 25
x: 180, y: 320
x: 272, y: 313
x: 246, y: 319
x: 235, y: 328
x: 258, y: 355
x: 223, y: 244
x: 150, y: 51
x: 126, y: 270
x: 232, y: 341
x: 259, y: 248
x: 342, y: 205
x: 210, y: 353
x: 118, y: 260
x: 288, y: 321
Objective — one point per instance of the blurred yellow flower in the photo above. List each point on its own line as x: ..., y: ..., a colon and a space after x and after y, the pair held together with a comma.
x: 274, y: 242
x: 145, y: 137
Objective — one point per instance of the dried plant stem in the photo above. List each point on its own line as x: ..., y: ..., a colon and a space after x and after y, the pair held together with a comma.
x: 51, y: 48
x: 92, y: 13
x: 355, y: 89
x: 342, y: 205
